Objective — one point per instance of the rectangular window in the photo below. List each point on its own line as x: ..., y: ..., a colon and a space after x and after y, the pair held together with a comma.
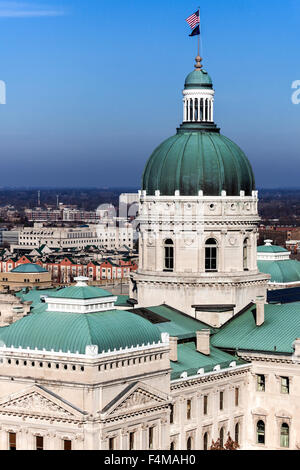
x: 12, y: 441
x: 261, y: 383
x: 237, y: 396
x: 221, y: 401
x: 189, y: 409
x: 205, y: 404
x: 39, y: 442
x: 172, y: 414
x: 210, y: 259
x: 131, y: 441
x: 111, y: 443
x: 67, y: 444
x: 285, y: 385
x: 151, y: 437
x: 169, y: 258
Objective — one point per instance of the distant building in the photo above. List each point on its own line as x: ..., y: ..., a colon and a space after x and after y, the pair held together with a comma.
x: 65, y: 269
x: 26, y: 275
x: 275, y: 260
x: 10, y: 237
x: 102, y: 236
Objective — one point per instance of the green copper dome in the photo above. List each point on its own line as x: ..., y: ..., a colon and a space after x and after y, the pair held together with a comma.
x: 198, y: 79
x: 198, y: 157
x: 282, y: 272
x: 194, y: 160
x: 72, y: 332
x: 29, y: 268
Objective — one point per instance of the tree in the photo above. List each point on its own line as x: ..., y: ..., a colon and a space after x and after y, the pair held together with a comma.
x: 229, y: 445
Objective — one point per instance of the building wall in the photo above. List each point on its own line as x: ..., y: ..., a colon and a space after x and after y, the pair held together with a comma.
x: 16, y: 281
x: 271, y: 405
x: 100, y: 235
x: 190, y: 222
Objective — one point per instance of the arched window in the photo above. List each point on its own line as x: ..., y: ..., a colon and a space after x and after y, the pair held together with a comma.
x: 246, y: 254
x: 260, y: 431
x: 237, y: 433
x: 205, y: 441
x: 172, y: 446
x: 169, y: 255
x: 222, y: 437
x: 211, y: 255
x: 189, y: 444
x: 284, y: 435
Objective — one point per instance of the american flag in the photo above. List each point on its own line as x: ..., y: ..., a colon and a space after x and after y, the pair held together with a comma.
x: 194, y: 19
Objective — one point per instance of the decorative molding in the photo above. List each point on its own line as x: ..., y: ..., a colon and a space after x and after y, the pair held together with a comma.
x: 38, y: 403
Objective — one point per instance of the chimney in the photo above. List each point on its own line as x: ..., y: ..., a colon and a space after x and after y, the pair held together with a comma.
x: 173, y: 349
x: 203, y: 342
x: 260, y: 310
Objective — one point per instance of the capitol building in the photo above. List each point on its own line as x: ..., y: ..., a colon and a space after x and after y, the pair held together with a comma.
x: 207, y: 345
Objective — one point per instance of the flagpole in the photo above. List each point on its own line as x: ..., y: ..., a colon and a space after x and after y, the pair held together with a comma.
x: 199, y: 34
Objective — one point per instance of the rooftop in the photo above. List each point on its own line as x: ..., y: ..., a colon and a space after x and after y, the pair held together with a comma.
x: 190, y: 360
x: 277, y: 334
x: 69, y: 332
x: 29, y: 268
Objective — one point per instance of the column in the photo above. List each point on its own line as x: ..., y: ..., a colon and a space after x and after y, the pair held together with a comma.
x: 199, y: 109
x: 144, y: 437
x: 165, y: 434
x: 193, y: 118
x: 212, y: 110
x: 4, y: 440
x: 204, y: 109
x: 124, y: 439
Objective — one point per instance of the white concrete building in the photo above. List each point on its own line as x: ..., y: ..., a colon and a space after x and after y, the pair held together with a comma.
x: 104, y: 236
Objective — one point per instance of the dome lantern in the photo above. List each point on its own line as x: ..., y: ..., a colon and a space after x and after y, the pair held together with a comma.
x: 198, y: 96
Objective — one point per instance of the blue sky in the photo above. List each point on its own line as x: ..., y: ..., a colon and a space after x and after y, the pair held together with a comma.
x: 94, y: 86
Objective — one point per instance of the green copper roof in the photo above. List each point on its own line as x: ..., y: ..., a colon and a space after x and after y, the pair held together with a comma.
x: 194, y: 161
x: 179, y: 325
x: 190, y: 361
x: 29, y: 268
x: 271, y: 249
x: 82, y: 292
x: 74, y: 331
x: 122, y: 301
x: 34, y: 295
x: 279, y: 331
x: 283, y: 271
x: 198, y: 79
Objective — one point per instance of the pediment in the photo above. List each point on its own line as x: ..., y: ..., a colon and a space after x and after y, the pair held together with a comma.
x: 39, y: 402
x: 259, y: 412
x: 137, y: 396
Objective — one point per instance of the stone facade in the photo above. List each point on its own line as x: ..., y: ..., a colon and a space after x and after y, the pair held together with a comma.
x: 190, y: 222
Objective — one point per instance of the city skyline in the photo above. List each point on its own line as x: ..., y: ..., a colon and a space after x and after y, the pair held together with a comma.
x: 90, y: 112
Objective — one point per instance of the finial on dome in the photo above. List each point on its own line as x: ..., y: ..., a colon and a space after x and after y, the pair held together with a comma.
x: 198, y: 65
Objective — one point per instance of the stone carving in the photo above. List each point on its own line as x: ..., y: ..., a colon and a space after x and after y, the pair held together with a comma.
x: 34, y: 403
x: 139, y: 398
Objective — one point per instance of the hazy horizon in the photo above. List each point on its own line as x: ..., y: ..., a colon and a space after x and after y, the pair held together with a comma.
x: 92, y: 90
